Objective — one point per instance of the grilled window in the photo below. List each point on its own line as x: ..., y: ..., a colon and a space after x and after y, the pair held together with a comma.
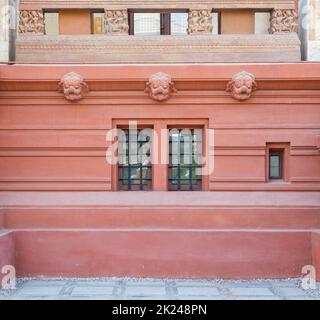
x: 134, y: 168
x: 158, y: 23
x: 185, y: 155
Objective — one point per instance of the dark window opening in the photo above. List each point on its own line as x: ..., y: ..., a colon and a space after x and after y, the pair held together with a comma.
x: 134, y: 165
x: 275, y: 164
x: 158, y: 23
x: 185, y: 154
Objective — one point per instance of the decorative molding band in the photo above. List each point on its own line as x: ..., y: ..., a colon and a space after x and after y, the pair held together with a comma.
x: 116, y: 22
x: 283, y: 21
x: 200, y: 21
x: 31, y: 22
x: 169, y: 4
x: 165, y: 49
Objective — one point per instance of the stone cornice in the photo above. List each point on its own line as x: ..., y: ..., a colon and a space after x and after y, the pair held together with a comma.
x: 278, y: 79
x: 164, y: 49
x: 157, y: 4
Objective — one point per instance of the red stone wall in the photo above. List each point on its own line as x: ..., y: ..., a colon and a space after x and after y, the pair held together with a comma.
x: 48, y: 143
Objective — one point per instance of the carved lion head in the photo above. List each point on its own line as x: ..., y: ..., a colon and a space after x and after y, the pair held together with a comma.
x: 73, y: 86
x: 160, y: 86
x: 242, y: 85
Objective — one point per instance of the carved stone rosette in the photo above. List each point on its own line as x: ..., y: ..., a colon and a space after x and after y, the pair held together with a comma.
x: 283, y: 21
x: 200, y: 21
x: 31, y: 21
x: 242, y: 85
x: 73, y: 86
x: 160, y: 87
x: 116, y: 21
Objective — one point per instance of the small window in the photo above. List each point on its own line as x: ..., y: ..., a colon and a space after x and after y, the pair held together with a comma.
x: 215, y: 22
x: 98, y: 23
x: 179, y: 23
x: 147, y: 24
x: 185, y: 154
x: 51, y: 23
x: 276, y: 164
x: 262, y: 22
x: 134, y: 167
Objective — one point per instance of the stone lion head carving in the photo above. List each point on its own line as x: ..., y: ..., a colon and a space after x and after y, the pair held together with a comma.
x: 73, y: 86
x: 242, y: 85
x: 160, y: 86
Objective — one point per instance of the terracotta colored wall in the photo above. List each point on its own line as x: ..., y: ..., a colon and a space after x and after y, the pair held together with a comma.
x: 237, y: 22
x: 207, y: 254
x: 74, y: 22
x: 50, y: 144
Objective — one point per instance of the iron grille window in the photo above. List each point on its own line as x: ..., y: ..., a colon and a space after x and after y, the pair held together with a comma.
x: 185, y: 155
x: 158, y: 23
x: 134, y: 168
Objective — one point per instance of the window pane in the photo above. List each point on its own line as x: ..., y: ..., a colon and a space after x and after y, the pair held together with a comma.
x: 147, y: 24
x: 135, y: 172
x: 262, y: 22
x: 98, y: 23
x: 215, y: 22
x: 275, y: 166
x: 183, y: 166
x: 52, y: 23
x: 179, y: 23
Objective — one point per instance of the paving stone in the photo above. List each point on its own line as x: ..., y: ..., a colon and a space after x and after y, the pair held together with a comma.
x: 291, y: 292
x: 201, y: 291
x: 96, y: 283
x: 191, y: 297
x: 142, y: 282
x: 145, y: 291
x: 194, y: 283
x: 39, y: 291
x: 92, y: 290
x: 251, y: 291
x: 254, y: 298
x: 39, y: 283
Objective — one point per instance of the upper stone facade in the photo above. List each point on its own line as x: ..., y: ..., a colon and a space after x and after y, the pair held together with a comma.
x: 210, y: 32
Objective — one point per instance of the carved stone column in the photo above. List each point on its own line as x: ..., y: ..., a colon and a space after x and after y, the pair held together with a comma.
x: 283, y: 21
x: 116, y: 21
x: 31, y: 21
x: 200, y: 21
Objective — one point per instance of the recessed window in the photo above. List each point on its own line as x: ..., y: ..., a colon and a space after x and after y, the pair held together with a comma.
x: 98, y: 26
x: 275, y: 164
x: 179, y: 23
x: 134, y: 165
x: 75, y: 22
x: 158, y: 23
x: 215, y: 22
x: 262, y: 22
x: 147, y: 24
x: 185, y: 155
x: 51, y: 23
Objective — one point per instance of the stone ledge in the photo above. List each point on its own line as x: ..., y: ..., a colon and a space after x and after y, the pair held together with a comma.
x: 175, y: 4
x: 159, y: 49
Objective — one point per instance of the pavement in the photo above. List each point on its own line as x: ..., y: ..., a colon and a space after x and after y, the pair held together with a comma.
x: 153, y: 289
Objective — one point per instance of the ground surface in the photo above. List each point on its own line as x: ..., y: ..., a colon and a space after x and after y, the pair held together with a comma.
x: 132, y: 289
